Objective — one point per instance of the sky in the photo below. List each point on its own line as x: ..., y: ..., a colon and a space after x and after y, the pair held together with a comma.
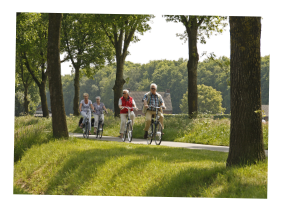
x: 142, y: 52
x: 161, y: 42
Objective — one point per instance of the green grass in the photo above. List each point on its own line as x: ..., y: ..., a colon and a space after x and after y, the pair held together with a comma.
x: 44, y: 165
x: 87, y: 167
x: 30, y: 131
x: 203, y: 130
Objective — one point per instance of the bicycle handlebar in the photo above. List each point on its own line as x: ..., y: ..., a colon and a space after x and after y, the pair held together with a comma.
x: 128, y: 108
x: 155, y: 107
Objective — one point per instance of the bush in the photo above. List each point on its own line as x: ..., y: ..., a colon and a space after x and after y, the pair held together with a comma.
x: 222, y: 116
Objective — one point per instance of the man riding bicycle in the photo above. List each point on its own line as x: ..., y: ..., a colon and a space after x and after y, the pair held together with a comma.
x: 154, y: 99
x: 125, y: 101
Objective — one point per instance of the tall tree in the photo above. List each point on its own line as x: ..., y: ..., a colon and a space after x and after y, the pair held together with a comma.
x: 246, y: 137
x: 196, y: 28
x: 59, y: 124
x: 25, y: 79
x: 120, y: 29
x: 32, y: 46
x: 85, y: 46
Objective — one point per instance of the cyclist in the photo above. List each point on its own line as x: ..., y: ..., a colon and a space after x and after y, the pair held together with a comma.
x: 152, y: 98
x: 126, y: 101
x: 98, y: 107
x: 85, y: 107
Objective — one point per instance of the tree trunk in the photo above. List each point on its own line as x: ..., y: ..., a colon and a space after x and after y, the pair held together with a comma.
x: 59, y: 125
x: 192, y: 71
x: 119, y: 82
x: 26, y: 102
x: 246, y: 138
x: 43, y: 99
x: 77, y: 93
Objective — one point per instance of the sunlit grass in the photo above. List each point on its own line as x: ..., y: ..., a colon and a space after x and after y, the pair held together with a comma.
x: 87, y: 167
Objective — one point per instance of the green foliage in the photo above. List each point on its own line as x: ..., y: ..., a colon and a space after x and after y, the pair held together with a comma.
x: 222, y: 116
x: 216, y: 73
x: 265, y: 80
x: 19, y: 103
x: 84, y: 43
x: 206, y: 25
x: 209, y: 100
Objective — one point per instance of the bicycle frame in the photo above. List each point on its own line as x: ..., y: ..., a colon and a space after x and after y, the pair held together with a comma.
x: 156, y: 122
x: 86, y: 132
x: 129, y: 121
x: 128, y: 116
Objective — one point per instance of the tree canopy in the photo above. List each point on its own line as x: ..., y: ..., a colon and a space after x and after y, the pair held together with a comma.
x: 209, y: 100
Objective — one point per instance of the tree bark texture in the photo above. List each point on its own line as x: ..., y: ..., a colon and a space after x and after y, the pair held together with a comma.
x: 42, y: 92
x: 59, y: 124
x: 246, y: 137
x: 77, y: 92
x: 192, y: 70
x: 119, y: 82
x: 44, y: 106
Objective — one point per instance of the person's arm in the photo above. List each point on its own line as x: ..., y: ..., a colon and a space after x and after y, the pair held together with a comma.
x: 105, y: 109
x: 162, y: 103
x: 119, y: 104
x: 134, y: 104
x: 145, y: 101
x: 80, y: 107
x: 93, y: 107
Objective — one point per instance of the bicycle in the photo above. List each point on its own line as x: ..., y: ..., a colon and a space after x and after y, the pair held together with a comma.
x: 155, y: 130
x: 100, y: 128
x: 86, y: 130
x: 128, y: 127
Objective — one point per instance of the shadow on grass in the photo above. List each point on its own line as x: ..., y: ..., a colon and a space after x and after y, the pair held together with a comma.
x: 186, y: 183
x: 82, y: 167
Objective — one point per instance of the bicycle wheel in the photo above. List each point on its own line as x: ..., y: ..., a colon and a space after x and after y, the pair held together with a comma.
x: 150, y: 134
x: 84, y: 132
x: 87, y: 129
x: 129, y: 132
x: 98, y: 130
x: 158, y: 133
x: 101, y: 129
x: 125, y: 133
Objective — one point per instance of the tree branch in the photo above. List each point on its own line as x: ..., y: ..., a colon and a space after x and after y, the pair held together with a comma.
x: 108, y: 35
x: 201, y: 20
x: 128, y: 39
x: 29, y: 69
x: 65, y: 59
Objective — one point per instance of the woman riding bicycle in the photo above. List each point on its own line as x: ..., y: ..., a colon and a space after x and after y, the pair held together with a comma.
x: 98, y: 107
x: 85, y: 109
x: 125, y: 101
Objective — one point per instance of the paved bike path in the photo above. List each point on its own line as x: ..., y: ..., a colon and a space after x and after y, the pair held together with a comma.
x: 164, y: 143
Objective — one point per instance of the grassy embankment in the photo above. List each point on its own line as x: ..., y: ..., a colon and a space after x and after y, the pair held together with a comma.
x: 204, y: 130
x: 87, y: 167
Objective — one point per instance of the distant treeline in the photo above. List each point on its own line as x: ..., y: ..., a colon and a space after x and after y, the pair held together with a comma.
x: 166, y: 74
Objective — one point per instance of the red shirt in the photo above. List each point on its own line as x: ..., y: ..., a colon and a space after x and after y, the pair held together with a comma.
x: 127, y: 103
